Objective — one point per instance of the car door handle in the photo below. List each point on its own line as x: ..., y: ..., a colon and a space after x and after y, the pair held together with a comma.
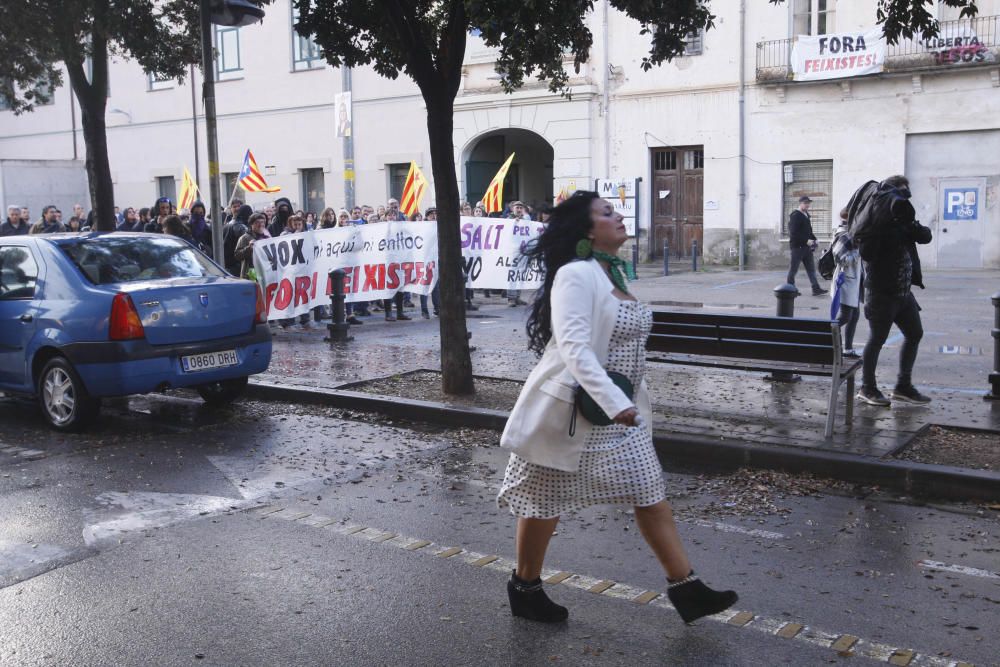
x: 26, y: 318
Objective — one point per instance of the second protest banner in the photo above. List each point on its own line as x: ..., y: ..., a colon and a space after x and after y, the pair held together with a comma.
x: 381, y: 259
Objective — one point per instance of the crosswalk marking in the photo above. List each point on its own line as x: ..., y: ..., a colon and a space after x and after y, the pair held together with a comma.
x: 735, y: 618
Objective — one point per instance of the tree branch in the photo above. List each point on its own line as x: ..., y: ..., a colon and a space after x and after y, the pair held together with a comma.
x: 452, y: 47
x: 69, y: 47
x: 99, y: 50
x: 420, y: 61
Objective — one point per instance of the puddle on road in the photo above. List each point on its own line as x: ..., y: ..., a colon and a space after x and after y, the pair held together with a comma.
x: 134, y: 511
x: 699, y: 304
x: 961, y: 349
x: 20, y: 559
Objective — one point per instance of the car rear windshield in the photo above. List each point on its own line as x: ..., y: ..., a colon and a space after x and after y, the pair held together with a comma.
x: 126, y: 259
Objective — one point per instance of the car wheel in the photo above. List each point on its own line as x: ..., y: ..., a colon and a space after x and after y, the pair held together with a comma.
x: 65, y: 402
x: 223, y: 391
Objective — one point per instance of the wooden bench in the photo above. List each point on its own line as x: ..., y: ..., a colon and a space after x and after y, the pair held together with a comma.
x: 759, y: 344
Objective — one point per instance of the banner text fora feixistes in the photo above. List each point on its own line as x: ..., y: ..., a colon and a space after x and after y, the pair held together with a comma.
x: 835, y: 56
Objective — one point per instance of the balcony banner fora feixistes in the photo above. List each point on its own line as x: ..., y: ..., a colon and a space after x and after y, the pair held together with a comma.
x: 837, y: 56
x: 383, y: 258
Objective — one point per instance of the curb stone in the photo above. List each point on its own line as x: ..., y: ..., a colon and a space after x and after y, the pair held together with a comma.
x: 682, y: 450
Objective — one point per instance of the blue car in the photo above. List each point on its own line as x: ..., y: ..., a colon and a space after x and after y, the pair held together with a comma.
x: 84, y: 316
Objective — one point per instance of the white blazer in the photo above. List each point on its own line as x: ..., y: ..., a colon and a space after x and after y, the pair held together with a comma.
x: 584, y: 311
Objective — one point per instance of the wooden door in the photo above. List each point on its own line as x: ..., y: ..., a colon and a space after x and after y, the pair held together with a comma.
x: 692, y: 199
x: 678, y: 200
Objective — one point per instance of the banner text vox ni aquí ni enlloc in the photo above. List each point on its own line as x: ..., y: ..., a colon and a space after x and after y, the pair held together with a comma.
x: 383, y: 258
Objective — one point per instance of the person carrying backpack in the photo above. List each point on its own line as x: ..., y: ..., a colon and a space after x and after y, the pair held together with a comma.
x: 234, y: 230
x: 885, y: 230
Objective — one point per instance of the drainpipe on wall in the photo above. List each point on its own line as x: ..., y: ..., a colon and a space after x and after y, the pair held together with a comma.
x: 742, y: 159
x: 607, y: 95
x: 348, y: 143
x: 194, y: 128
x: 72, y: 116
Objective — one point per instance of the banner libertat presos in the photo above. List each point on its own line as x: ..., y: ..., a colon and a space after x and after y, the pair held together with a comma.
x: 818, y: 57
x: 383, y: 258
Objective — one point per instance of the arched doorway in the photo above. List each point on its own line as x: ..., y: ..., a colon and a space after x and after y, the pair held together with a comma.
x: 530, y: 176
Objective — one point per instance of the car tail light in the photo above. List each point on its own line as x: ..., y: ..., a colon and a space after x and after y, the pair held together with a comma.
x: 261, y: 316
x: 125, y: 322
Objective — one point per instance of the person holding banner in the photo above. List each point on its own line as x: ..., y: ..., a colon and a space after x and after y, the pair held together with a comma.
x: 585, y: 324
x: 517, y: 212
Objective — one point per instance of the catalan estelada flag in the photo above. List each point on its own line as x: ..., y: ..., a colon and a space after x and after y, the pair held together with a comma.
x: 189, y: 191
x: 413, y: 190
x: 250, y: 178
x: 493, y: 199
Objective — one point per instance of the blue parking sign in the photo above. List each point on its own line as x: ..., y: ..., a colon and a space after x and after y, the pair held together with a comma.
x: 961, y: 204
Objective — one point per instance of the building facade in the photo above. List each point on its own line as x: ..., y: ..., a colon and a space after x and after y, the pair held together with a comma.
x: 715, y: 147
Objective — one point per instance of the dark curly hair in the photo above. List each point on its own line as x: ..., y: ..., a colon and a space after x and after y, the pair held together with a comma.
x: 555, y: 246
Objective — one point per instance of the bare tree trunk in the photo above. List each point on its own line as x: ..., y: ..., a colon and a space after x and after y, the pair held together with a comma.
x: 102, y: 194
x: 93, y: 99
x: 456, y: 363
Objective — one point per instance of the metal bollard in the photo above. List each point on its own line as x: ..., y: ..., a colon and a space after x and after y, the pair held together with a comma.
x: 785, y: 294
x: 694, y: 254
x: 666, y: 258
x: 338, y: 328
x: 635, y: 258
x: 995, y: 375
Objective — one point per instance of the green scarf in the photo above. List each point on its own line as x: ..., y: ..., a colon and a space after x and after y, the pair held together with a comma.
x: 619, y: 269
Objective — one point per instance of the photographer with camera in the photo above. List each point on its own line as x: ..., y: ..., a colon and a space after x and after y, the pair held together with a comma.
x: 886, y: 232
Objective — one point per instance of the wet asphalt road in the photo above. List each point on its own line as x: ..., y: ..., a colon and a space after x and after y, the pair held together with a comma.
x: 144, y: 542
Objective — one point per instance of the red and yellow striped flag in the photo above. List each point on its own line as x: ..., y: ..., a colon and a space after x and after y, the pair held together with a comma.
x: 493, y: 199
x: 250, y: 178
x: 189, y: 191
x: 413, y: 190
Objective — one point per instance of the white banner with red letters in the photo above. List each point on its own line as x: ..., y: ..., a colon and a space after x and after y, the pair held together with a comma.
x: 819, y: 57
x: 383, y: 258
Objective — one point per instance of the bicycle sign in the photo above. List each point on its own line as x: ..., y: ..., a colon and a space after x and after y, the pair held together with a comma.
x: 961, y: 204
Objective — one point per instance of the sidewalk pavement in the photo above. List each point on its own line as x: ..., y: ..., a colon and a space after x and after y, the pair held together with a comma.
x: 697, y: 405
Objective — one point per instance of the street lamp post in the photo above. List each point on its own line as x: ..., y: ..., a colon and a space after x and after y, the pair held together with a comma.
x: 234, y: 13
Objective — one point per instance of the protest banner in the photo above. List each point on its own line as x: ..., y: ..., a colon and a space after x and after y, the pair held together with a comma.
x: 381, y: 259
x: 818, y: 57
x: 958, y: 44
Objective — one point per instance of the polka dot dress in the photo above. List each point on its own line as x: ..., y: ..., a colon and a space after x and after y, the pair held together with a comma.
x: 618, y: 466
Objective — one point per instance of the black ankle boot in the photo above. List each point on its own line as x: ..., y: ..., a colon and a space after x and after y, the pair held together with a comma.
x: 692, y: 599
x: 528, y: 600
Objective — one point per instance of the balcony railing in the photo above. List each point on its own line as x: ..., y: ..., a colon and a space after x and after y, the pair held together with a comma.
x: 960, y: 44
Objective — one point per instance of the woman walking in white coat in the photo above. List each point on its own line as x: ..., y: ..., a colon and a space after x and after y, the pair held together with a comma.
x: 584, y: 323
x: 848, y: 277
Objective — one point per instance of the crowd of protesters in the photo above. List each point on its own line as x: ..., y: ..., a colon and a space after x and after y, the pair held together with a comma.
x: 243, y: 225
